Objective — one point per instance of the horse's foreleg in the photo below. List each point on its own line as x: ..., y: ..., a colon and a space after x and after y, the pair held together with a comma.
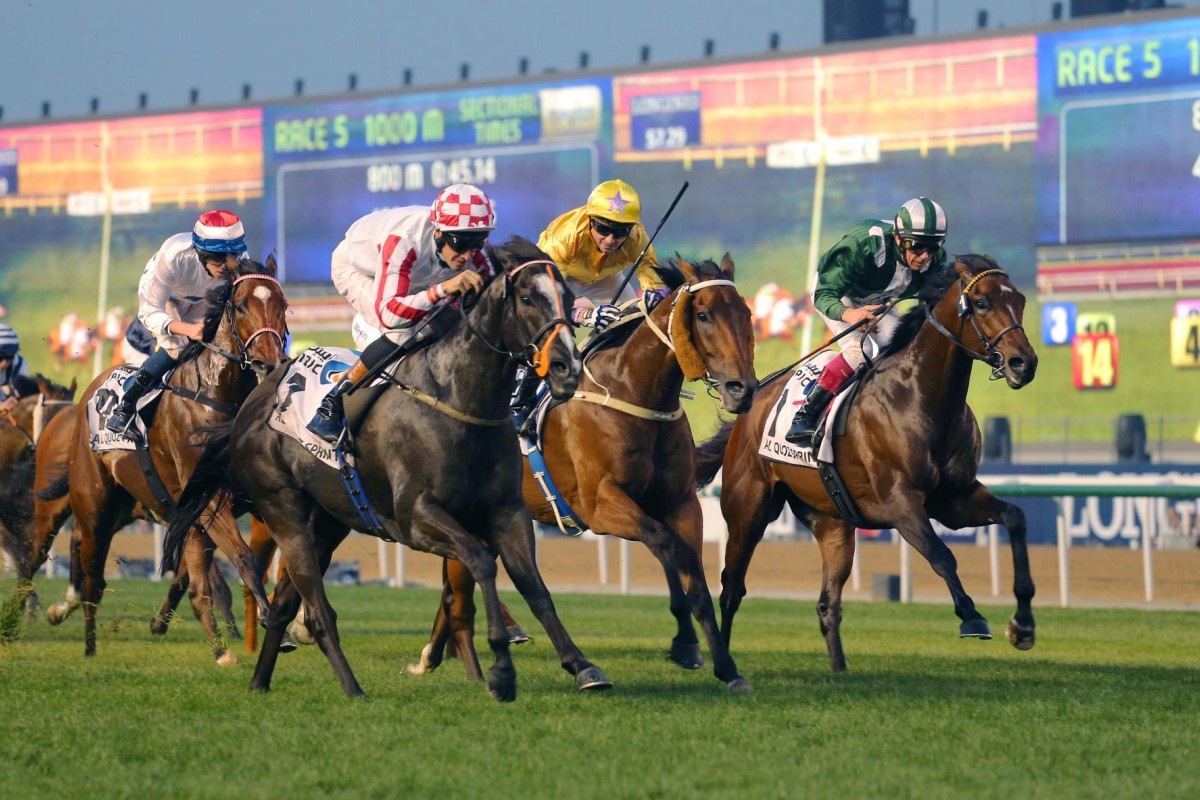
x: 435, y: 650
x: 94, y: 543
x: 835, y: 537
x: 223, y: 529
x: 907, y: 512
x: 223, y: 599
x: 514, y: 540
x: 748, y: 506
x: 263, y: 547
x: 197, y: 560
x: 981, y: 507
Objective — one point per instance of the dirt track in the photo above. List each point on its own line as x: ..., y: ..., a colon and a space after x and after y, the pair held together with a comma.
x: 1098, y: 576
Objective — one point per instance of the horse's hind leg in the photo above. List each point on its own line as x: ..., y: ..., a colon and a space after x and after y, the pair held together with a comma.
x: 263, y: 547
x: 223, y: 598
x: 58, y: 612
x: 223, y: 530
x: 162, y: 620
x: 981, y: 507
x: 835, y: 537
x: 454, y: 624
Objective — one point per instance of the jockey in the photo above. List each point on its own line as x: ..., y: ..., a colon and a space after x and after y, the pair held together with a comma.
x: 11, y: 365
x: 171, y: 300
x: 593, y: 245
x: 393, y: 266
x: 874, y: 262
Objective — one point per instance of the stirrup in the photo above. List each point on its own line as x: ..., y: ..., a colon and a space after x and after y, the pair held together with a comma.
x: 326, y: 428
x: 801, y: 433
x: 121, y: 422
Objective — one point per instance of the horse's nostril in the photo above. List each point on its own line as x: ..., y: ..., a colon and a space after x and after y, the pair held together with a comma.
x: 735, y: 388
x: 1016, y: 364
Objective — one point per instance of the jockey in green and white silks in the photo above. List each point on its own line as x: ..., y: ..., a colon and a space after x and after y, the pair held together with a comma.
x: 873, y: 263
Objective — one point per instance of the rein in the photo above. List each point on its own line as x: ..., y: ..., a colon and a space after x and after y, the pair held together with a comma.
x: 608, y: 400
x: 990, y: 356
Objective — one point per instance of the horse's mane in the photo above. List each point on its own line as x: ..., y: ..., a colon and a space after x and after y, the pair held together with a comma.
x: 912, y: 321
x: 24, y: 385
x: 519, y: 247
x: 673, y: 277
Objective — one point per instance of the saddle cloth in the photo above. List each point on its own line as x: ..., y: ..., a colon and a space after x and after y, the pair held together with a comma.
x: 308, y: 379
x: 773, y: 446
x: 104, y: 401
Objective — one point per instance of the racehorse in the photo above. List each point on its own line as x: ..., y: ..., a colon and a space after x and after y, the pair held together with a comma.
x: 621, y: 453
x: 242, y: 341
x: 910, y: 453
x: 20, y: 433
x: 438, y: 461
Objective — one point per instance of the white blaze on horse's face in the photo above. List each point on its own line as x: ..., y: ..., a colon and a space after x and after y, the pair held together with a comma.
x: 552, y: 291
x: 262, y: 294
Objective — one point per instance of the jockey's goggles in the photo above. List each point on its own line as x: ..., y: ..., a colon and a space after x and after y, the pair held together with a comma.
x: 465, y: 241
x: 613, y: 229
x: 209, y: 257
x: 921, y: 245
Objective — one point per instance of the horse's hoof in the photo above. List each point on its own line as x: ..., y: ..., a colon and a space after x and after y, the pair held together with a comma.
x: 227, y: 659
x: 976, y: 628
x: 300, y: 633
x: 517, y: 635
x: 592, y: 679
x: 502, y: 685
x: 55, y: 615
x: 287, y: 644
x: 422, y: 667
x: 159, y: 626
x: 1021, y: 638
x: 687, y: 656
x: 740, y: 686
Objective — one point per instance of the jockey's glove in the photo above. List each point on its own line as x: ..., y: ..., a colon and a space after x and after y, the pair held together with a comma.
x: 599, y: 317
x: 652, y: 297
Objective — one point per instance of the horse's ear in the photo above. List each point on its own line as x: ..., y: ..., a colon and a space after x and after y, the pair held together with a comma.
x: 73, y: 387
x: 688, y: 271
x: 43, y: 384
x: 727, y: 265
x: 271, y: 265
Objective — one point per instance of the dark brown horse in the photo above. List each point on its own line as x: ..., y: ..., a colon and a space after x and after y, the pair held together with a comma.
x: 438, y: 461
x: 910, y: 453
x: 242, y: 341
x: 622, y: 455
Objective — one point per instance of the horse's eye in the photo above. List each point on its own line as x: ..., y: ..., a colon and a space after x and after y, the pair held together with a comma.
x: 981, y: 305
x: 702, y: 316
x: 526, y: 300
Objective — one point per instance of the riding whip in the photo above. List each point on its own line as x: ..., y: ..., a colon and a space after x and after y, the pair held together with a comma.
x: 633, y: 267
x: 886, y: 308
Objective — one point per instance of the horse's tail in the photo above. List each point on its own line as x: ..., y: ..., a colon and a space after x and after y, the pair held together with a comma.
x: 210, y: 479
x: 59, y: 486
x: 710, y: 454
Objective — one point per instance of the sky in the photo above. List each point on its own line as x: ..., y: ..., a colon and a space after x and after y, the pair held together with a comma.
x: 67, y: 52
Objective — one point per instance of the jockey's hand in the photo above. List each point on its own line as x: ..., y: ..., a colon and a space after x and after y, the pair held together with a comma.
x: 599, y: 317
x: 192, y: 330
x: 7, y: 405
x: 653, y: 297
x: 464, y: 282
x: 853, y: 315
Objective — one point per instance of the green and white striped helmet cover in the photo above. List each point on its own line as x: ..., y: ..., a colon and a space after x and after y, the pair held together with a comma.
x: 922, y: 218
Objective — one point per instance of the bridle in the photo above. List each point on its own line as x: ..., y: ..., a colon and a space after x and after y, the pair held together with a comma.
x: 531, y: 354
x: 242, y: 357
x: 991, y: 356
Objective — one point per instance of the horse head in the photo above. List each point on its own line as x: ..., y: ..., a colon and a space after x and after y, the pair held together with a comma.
x: 252, y: 304
x: 987, y: 310
x: 710, y: 327
x: 540, y: 301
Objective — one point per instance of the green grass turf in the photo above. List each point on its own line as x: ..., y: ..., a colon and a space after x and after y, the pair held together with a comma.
x: 1104, y: 706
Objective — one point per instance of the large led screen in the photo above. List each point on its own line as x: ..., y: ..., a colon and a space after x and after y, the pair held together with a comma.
x: 536, y: 149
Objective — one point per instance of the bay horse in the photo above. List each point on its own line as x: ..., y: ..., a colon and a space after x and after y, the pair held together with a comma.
x: 41, y: 400
x: 622, y: 455
x: 242, y: 341
x: 438, y: 461
x: 910, y: 453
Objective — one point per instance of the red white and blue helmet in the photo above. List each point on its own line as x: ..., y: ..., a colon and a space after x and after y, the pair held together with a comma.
x: 462, y: 207
x: 10, y: 345
x: 219, y: 232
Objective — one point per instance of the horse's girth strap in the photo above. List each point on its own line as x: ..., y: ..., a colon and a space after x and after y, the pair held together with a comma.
x: 629, y: 408
x: 449, y: 411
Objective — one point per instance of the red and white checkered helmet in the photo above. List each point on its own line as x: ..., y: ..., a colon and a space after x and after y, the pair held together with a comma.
x: 462, y: 207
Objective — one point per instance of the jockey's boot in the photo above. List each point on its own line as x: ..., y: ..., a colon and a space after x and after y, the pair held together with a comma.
x: 804, y: 424
x: 329, y: 420
x: 149, y: 375
x: 524, y: 400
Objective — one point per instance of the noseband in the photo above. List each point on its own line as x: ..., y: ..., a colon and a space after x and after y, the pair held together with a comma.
x: 242, y: 357
x: 990, y: 356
